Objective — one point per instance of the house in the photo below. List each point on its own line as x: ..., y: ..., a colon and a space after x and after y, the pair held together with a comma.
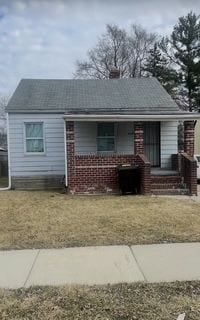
x: 77, y: 132
x: 197, y: 138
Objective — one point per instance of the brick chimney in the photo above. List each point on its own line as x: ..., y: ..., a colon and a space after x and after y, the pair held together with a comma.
x: 114, y: 73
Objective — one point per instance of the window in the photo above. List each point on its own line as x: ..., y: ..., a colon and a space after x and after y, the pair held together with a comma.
x: 106, y: 137
x: 34, y: 137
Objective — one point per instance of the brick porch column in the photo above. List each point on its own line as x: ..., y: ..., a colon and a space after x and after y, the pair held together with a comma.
x: 138, y: 138
x: 189, y: 138
x: 70, y: 156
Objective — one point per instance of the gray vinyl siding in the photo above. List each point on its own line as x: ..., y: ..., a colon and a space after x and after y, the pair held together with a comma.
x: 50, y: 163
x: 169, y: 142
x: 53, y: 161
x: 86, y: 138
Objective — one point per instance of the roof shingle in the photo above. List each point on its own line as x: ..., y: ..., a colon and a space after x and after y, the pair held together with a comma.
x: 124, y: 96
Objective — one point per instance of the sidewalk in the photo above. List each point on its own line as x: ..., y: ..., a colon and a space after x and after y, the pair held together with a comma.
x: 100, y: 265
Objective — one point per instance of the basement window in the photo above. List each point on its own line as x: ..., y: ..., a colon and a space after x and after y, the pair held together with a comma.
x: 34, y: 137
x: 106, y: 137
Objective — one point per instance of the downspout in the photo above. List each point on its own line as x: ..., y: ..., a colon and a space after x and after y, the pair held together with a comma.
x: 8, y: 146
x: 65, y: 148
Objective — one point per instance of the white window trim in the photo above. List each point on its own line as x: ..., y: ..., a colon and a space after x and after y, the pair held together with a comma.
x: 104, y: 137
x: 44, y: 145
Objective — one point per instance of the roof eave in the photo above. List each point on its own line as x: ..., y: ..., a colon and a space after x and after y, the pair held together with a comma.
x: 129, y: 117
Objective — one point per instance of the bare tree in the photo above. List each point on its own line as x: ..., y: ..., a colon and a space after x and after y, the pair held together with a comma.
x: 3, y: 103
x: 117, y: 48
x: 140, y: 42
x: 3, y: 133
x: 110, y: 51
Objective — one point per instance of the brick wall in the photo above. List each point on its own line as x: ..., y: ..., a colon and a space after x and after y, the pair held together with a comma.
x: 97, y: 173
x: 189, y: 172
x: 138, y: 138
x: 92, y: 173
x: 145, y: 171
x: 188, y: 164
x: 189, y: 137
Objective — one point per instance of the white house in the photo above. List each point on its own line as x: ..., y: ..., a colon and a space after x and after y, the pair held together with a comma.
x: 76, y: 132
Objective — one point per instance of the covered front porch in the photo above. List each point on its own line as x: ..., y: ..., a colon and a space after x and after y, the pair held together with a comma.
x: 95, y: 147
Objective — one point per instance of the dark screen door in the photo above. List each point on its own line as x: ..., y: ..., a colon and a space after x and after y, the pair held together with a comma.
x: 152, y: 142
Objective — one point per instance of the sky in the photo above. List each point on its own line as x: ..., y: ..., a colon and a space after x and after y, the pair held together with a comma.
x: 45, y: 38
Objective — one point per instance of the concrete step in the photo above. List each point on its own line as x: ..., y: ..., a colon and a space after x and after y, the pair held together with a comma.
x: 177, y: 191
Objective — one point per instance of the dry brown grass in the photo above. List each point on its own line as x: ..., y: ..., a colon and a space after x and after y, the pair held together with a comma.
x: 51, y: 219
x: 118, y: 302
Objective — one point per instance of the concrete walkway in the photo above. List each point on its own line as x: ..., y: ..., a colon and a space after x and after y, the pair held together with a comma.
x: 100, y: 265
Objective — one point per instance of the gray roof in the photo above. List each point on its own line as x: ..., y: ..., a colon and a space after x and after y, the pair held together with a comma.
x: 117, y: 96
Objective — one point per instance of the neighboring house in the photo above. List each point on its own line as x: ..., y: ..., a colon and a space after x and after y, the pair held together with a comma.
x: 3, y: 162
x: 197, y: 138
x: 3, y: 140
x: 83, y: 129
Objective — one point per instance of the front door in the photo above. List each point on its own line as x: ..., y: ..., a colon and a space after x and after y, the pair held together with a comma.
x: 152, y: 142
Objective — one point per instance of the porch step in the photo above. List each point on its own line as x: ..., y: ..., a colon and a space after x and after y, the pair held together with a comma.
x: 171, y: 184
x: 175, y: 185
x: 165, y: 179
x: 174, y: 192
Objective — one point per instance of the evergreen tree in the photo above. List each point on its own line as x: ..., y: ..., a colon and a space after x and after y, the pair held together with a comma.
x: 183, y: 47
x: 158, y: 66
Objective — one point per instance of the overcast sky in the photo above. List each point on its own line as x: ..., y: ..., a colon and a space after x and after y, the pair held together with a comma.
x: 44, y: 38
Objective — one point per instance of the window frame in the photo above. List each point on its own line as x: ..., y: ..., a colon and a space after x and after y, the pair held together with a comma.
x: 106, y: 137
x: 25, y: 139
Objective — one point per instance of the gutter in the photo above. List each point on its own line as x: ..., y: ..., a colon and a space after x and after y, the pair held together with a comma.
x: 138, y: 117
x: 8, y: 146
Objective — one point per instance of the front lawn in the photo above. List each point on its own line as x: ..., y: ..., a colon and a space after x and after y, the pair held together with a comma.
x: 117, y: 302
x: 53, y: 220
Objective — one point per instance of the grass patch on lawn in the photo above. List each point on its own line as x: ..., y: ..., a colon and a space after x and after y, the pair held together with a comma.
x: 116, y: 302
x: 3, y: 182
x: 53, y: 220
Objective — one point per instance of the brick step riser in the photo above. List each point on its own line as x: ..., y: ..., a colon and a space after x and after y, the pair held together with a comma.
x: 170, y: 192
x: 167, y: 186
x: 164, y: 180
